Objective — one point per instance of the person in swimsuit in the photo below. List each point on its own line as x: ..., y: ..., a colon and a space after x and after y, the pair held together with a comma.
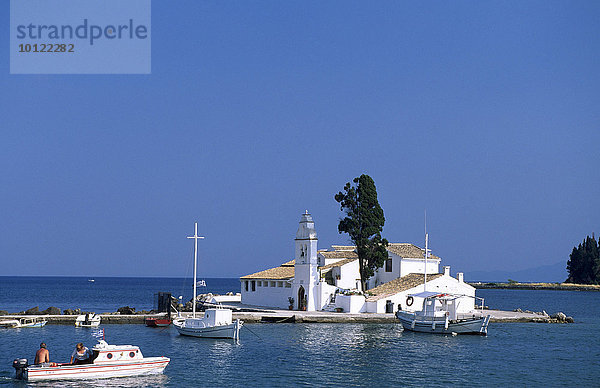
x: 42, y: 355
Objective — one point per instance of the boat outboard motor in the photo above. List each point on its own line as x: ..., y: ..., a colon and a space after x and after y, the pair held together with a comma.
x: 20, y: 364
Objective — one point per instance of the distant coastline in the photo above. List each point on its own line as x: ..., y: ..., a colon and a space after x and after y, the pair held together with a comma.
x: 537, y: 286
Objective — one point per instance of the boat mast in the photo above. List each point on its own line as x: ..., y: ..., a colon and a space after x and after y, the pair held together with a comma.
x: 196, y: 238
x: 425, y: 272
x: 426, y: 254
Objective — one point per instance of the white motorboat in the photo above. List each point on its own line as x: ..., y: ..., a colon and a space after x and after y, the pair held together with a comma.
x: 216, y: 323
x: 9, y: 323
x: 108, y: 361
x: 439, y: 316
x: 23, y: 322
x: 88, y: 320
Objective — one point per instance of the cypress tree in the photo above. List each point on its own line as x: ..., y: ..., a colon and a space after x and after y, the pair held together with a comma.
x: 363, y: 222
x: 584, y: 263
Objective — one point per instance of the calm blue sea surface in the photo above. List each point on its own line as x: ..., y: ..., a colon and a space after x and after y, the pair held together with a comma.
x: 513, y: 354
x: 103, y: 295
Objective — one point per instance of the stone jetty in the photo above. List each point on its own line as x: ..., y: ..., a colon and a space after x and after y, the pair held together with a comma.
x: 257, y: 316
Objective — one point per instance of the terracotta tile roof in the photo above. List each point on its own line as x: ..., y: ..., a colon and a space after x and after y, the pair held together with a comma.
x: 338, y: 254
x: 284, y: 271
x: 337, y: 264
x: 398, y: 285
x: 408, y: 250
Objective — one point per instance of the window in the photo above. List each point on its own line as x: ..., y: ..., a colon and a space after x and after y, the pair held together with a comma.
x: 388, y: 265
x: 245, y: 281
x: 272, y: 284
x: 288, y: 285
x: 253, y: 285
x: 258, y: 283
x: 279, y: 284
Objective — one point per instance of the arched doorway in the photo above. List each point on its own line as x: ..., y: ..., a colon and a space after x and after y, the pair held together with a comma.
x: 301, y: 299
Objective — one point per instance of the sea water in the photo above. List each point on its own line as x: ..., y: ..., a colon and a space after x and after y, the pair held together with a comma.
x: 342, y: 355
x: 105, y: 294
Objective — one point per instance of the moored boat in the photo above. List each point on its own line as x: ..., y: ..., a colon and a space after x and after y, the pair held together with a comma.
x: 216, y: 323
x: 23, y: 322
x: 107, y: 361
x: 88, y: 320
x: 439, y: 316
x: 9, y: 323
x: 157, y: 322
x: 439, y: 313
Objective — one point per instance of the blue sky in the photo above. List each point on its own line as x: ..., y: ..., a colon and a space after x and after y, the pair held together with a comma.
x: 484, y: 114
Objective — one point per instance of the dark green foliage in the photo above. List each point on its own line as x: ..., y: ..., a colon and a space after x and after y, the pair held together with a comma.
x: 584, y: 263
x: 363, y: 222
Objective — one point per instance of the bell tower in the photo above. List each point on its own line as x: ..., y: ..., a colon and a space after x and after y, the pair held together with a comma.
x: 306, y: 278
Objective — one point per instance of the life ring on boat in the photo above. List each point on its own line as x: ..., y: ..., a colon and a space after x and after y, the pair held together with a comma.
x: 409, y: 301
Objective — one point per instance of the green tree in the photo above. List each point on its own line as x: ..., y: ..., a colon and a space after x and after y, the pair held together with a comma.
x: 584, y: 263
x: 363, y: 222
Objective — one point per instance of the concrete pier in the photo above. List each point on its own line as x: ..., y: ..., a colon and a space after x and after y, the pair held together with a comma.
x: 286, y: 315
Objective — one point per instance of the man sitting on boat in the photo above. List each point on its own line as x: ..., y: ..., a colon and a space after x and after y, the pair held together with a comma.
x: 81, y: 355
x: 42, y: 355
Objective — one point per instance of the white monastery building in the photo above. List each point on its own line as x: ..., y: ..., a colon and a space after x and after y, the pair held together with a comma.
x: 329, y: 279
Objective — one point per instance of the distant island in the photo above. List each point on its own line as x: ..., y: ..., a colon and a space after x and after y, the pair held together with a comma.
x: 512, y: 285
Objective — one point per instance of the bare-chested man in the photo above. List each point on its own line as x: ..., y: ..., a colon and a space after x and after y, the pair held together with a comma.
x: 42, y: 355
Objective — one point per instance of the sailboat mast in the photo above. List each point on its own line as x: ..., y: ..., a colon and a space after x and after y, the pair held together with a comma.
x: 196, y: 238
x: 426, y: 248
x: 426, y: 251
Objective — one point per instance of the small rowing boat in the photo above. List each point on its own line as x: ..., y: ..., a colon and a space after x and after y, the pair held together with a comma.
x: 157, y: 322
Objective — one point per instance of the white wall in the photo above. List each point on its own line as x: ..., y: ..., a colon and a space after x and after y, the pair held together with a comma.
x: 402, y: 267
x: 323, y: 261
x: 351, y: 303
x: 266, y: 296
x: 451, y: 285
x: 348, y: 275
x: 325, y: 291
x: 443, y: 284
x: 383, y: 277
x: 417, y: 265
